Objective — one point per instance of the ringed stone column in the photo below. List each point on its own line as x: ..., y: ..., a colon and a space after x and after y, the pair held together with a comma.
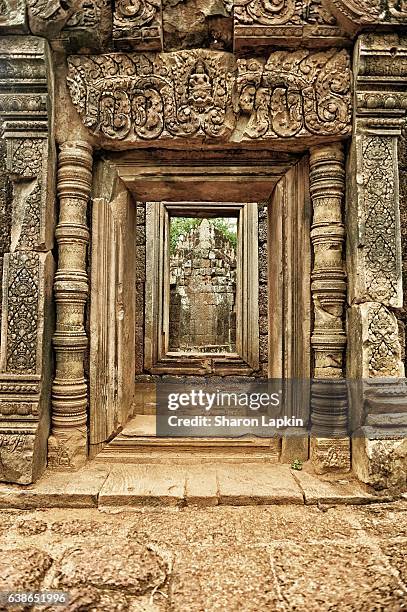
x: 68, y: 444
x: 330, y: 446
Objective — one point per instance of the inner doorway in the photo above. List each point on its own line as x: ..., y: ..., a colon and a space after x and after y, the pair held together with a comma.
x: 202, y: 279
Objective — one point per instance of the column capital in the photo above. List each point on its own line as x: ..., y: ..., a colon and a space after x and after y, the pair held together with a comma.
x: 380, y: 82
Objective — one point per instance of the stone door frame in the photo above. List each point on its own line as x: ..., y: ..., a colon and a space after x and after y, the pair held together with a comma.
x: 284, y: 182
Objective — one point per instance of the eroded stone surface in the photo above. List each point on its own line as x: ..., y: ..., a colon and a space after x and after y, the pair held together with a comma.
x: 278, y: 558
x: 223, y: 578
x: 132, y: 567
x: 23, y: 569
x: 320, y: 576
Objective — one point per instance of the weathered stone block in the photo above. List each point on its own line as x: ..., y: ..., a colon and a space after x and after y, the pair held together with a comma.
x: 294, y: 447
x: 381, y: 463
x: 13, y: 17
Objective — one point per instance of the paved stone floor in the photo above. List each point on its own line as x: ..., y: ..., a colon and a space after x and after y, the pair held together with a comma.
x: 251, y: 558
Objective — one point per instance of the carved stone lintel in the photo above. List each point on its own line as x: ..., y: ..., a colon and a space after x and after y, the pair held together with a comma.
x: 68, y: 443
x: 139, y: 99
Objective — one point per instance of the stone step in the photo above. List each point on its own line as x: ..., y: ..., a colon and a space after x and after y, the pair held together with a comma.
x: 149, y: 485
x: 189, y: 450
x: 137, y: 443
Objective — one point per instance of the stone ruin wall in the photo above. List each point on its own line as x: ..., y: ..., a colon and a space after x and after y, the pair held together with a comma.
x: 202, y: 315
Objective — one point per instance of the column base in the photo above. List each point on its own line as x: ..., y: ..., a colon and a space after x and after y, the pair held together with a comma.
x: 330, y: 454
x: 68, y: 450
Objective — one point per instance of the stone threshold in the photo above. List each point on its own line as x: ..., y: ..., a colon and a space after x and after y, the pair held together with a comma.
x: 148, y: 485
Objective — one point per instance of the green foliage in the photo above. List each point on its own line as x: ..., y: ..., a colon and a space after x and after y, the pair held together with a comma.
x: 223, y: 227
x: 296, y: 465
x: 183, y: 225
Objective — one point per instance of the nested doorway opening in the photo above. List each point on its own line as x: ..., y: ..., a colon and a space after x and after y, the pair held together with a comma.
x: 187, y: 286
x: 201, y: 288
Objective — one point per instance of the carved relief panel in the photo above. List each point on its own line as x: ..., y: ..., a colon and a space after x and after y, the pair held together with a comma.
x: 27, y: 203
x: 137, y: 24
x: 209, y: 95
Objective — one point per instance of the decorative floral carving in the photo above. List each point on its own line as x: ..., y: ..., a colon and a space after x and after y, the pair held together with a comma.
x: 26, y: 160
x: 358, y: 13
x: 26, y: 156
x: 137, y: 24
x: 138, y: 12
x: 380, y: 238
x: 283, y: 22
x: 22, y: 313
x: 383, y: 343
x: 276, y: 12
x: 296, y: 93
x: 282, y: 12
x: 87, y: 15
x: 203, y: 93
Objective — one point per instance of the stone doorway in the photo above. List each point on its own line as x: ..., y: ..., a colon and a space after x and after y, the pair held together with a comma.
x: 130, y: 304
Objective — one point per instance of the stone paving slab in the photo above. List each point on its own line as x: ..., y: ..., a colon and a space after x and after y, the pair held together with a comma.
x: 131, y: 485
x: 201, y: 486
x: 341, y: 491
x: 104, y: 485
x: 258, y: 484
x: 71, y: 490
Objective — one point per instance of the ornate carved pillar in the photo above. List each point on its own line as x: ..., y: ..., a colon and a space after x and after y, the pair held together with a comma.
x: 330, y: 447
x: 379, y: 405
x: 27, y: 196
x: 68, y: 443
